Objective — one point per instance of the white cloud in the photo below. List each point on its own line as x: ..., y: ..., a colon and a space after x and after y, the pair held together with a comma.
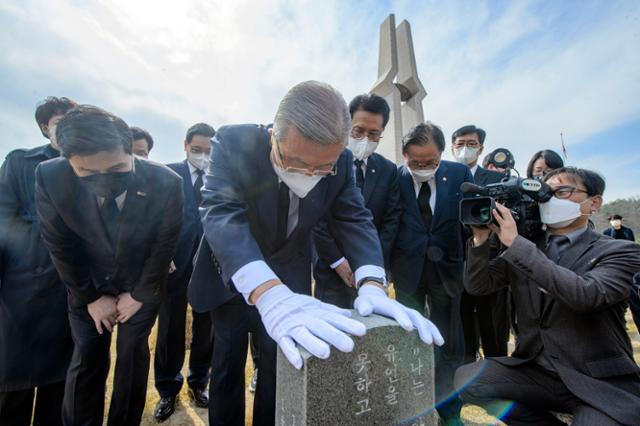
x: 525, y: 73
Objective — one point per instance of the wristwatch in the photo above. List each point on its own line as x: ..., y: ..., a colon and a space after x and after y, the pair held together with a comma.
x: 377, y: 280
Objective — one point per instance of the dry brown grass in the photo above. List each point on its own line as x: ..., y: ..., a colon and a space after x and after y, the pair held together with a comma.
x: 187, y: 414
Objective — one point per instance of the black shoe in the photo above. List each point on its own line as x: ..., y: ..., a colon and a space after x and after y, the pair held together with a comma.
x: 200, y: 397
x: 165, y: 408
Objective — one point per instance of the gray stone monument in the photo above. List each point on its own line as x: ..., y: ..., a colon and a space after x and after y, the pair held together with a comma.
x: 387, y: 380
x: 399, y: 84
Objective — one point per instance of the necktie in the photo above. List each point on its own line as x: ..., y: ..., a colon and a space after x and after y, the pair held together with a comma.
x: 555, y: 247
x: 110, y: 215
x: 197, y: 185
x: 283, y: 215
x: 359, y: 174
x: 423, y: 204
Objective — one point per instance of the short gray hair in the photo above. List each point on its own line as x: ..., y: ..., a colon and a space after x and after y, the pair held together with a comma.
x: 317, y: 111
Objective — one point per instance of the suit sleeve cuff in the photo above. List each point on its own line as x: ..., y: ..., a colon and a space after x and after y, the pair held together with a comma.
x: 337, y: 263
x: 250, y: 276
x: 370, y: 271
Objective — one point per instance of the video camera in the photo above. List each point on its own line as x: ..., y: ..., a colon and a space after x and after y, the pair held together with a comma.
x: 519, y: 195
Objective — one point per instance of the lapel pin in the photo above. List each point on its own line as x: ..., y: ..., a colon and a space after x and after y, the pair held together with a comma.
x: 444, y: 179
x: 142, y: 194
x: 373, y: 170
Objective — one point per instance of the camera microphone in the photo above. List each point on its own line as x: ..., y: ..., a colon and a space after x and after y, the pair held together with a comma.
x: 471, y: 188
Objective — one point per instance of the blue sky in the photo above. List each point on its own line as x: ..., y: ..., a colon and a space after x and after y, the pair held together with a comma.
x: 525, y: 71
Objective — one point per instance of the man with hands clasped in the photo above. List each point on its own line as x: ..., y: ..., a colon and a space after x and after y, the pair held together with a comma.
x: 264, y: 193
x: 110, y: 221
x: 570, y: 288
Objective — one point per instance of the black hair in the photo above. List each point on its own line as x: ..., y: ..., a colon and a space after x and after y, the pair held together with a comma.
x: 201, y: 129
x: 423, y: 134
x: 50, y: 107
x: 486, y: 160
x: 140, y: 133
x: 87, y: 130
x: 553, y: 160
x: 372, y: 103
x: 615, y: 217
x: 592, y: 181
x: 467, y: 130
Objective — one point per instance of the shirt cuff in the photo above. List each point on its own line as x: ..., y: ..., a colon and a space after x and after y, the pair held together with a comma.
x: 337, y: 263
x: 252, y: 275
x: 370, y: 271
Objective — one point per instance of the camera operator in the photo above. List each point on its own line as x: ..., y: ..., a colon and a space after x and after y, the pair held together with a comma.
x: 570, y: 290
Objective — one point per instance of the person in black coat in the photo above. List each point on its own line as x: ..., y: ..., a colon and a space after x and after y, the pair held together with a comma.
x: 570, y: 288
x: 484, y: 318
x: 617, y: 230
x: 111, y: 222
x: 35, y: 340
x: 170, y: 344
x: 377, y: 179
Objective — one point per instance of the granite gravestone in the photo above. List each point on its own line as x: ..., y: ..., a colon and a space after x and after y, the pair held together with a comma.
x: 388, y: 379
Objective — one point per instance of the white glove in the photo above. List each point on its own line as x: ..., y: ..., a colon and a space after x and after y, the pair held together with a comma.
x: 292, y: 318
x: 373, y: 299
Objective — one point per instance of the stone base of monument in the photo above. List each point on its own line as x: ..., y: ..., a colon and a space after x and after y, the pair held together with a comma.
x: 388, y: 379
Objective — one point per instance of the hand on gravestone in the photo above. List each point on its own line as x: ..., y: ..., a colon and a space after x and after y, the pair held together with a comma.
x: 292, y: 318
x: 372, y: 299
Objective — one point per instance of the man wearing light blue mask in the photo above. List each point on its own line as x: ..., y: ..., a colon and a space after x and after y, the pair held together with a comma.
x: 570, y: 290
x: 377, y: 179
x: 170, y: 343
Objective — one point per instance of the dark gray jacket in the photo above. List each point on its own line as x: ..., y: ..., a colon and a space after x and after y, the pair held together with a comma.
x: 581, y: 325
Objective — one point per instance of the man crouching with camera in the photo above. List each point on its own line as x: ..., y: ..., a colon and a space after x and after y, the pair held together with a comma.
x: 572, y: 354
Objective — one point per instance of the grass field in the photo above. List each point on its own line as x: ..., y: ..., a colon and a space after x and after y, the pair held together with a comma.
x: 187, y: 414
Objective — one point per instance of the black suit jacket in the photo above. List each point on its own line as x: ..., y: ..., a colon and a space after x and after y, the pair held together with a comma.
x: 485, y: 177
x: 72, y: 228
x: 35, y: 340
x: 581, y: 323
x: 381, y: 197
x: 191, y: 230
x: 239, y: 215
x: 442, y: 243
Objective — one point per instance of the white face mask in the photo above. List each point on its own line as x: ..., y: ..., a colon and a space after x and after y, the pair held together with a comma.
x: 199, y: 161
x: 361, y: 148
x: 557, y: 213
x: 300, y: 184
x: 616, y: 223
x: 52, y: 136
x: 466, y: 155
x: 423, y: 175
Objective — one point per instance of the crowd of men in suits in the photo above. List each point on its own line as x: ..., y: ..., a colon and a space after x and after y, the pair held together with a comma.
x: 272, y: 234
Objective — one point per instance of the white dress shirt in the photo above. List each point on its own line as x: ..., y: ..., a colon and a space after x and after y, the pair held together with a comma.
x: 474, y: 169
x: 432, y: 185
x: 194, y: 173
x: 119, y: 200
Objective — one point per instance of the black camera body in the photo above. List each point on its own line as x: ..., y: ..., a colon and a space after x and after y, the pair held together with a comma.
x: 519, y: 195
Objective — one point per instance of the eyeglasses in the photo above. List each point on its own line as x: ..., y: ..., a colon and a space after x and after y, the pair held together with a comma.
x: 418, y: 165
x: 566, y: 191
x: 461, y: 143
x: 305, y: 171
x: 359, y: 133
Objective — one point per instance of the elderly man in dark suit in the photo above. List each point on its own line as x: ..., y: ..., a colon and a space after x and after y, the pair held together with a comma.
x: 110, y: 222
x: 426, y: 262
x: 377, y: 179
x: 265, y: 192
x: 170, y: 344
x: 484, y: 318
x: 570, y: 288
x: 35, y: 340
